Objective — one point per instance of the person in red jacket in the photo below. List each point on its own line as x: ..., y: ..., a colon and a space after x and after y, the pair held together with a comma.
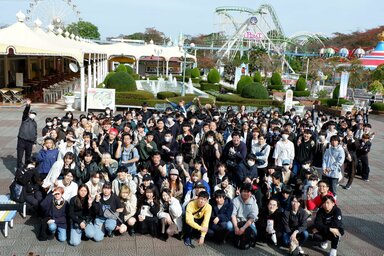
x: 316, y: 202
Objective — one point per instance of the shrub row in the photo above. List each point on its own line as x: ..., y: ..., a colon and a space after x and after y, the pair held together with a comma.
x: 301, y: 93
x: 141, y: 95
x: 210, y: 87
x: 164, y: 95
x: 378, y: 106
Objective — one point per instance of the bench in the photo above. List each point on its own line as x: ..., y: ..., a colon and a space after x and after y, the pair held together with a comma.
x: 8, y: 211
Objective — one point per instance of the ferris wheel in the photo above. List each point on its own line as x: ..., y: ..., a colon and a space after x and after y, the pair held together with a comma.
x: 58, y: 13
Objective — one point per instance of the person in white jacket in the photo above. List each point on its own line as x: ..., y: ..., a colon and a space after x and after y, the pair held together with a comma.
x: 284, y: 150
x: 170, y: 215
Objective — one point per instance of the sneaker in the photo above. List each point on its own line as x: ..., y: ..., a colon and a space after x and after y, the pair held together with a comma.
x: 301, y: 251
x: 188, y: 242
x: 366, y: 180
x: 324, y: 245
x: 333, y: 252
x: 347, y: 187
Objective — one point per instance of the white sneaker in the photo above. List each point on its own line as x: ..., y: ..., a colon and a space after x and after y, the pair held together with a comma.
x: 301, y: 251
x: 333, y: 252
x: 324, y: 245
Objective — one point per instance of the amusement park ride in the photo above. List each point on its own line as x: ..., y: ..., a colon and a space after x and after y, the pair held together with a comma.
x: 244, y: 28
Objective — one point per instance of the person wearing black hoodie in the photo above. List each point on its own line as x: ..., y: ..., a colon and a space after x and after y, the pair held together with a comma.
x: 328, y: 224
x: 220, y: 223
x: 247, y: 168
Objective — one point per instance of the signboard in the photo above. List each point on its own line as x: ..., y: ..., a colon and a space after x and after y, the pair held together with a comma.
x: 343, y: 84
x: 253, y: 36
x: 19, y: 80
x: 100, y: 98
x: 288, y: 100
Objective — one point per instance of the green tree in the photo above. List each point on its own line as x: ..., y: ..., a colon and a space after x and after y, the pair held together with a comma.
x: 255, y: 91
x: 276, y: 79
x: 376, y: 87
x: 213, y: 76
x: 301, y: 84
x: 84, y: 29
x: 243, y: 82
x: 378, y: 74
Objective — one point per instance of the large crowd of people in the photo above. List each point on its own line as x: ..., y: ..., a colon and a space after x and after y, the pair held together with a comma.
x: 192, y: 171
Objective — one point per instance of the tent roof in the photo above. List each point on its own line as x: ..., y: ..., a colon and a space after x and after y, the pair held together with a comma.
x: 375, y: 58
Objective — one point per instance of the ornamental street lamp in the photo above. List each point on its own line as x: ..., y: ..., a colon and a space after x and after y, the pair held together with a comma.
x: 158, y: 52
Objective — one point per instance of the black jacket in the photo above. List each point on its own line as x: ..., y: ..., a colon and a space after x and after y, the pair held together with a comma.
x: 79, y: 214
x: 224, y: 213
x: 28, y: 127
x: 292, y: 222
x: 113, y: 203
x: 333, y: 219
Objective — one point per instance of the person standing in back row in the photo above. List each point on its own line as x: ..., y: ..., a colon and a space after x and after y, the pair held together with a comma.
x: 27, y: 136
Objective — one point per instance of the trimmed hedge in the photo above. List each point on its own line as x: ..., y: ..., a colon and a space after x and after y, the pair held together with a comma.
x: 210, y: 87
x: 244, y: 81
x: 152, y: 78
x: 195, y: 73
x: 196, y: 80
x: 213, y: 76
x: 301, y: 85
x: 121, y: 68
x: 257, y: 77
x: 141, y: 95
x: 255, y: 91
x: 333, y: 102
x: 378, y: 106
x: 164, y: 95
x: 276, y: 79
x: 301, y: 93
x: 180, y: 78
x: 121, y: 82
x: 276, y: 87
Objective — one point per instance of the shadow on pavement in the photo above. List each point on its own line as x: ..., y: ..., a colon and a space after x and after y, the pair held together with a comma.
x: 9, y: 162
x: 369, y: 231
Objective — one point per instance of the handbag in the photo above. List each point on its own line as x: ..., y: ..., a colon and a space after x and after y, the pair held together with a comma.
x: 261, y: 161
x: 109, y: 214
x: 16, y: 192
x: 145, y: 211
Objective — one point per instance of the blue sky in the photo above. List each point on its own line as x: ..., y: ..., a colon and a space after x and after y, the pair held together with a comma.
x: 114, y: 17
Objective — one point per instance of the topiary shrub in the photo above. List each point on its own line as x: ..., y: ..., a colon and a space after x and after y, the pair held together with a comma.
x: 121, y: 68
x: 244, y: 81
x: 188, y: 72
x: 276, y: 87
x: 301, y: 93
x: 121, y: 82
x: 301, y: 85
x: 180, y: 78
x: 210, y: 87
x: 196, y: 80
x: 276, y: 79
x: 213, y: 76
x: 322, y: 94
x: 136, y: 76
x: 108, y: 76
x: 164, y: 95
x: 378, y: 106
x: 257, y: 77
x: 152, y: 77
x: 255, y: 91
x: 129, y: 70
x: 336, y: 92
x: 195, y: 73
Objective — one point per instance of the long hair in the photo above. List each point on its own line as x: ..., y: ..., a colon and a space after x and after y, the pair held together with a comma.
x: 82, y: 202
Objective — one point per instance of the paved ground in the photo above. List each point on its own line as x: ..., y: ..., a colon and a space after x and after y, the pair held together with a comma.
x: 362, y: 206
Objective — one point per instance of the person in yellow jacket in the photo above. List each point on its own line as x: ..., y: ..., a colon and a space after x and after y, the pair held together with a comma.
x: 197, y: 216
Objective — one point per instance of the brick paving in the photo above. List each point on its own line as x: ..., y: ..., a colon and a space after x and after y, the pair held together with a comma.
x: 362, y: 206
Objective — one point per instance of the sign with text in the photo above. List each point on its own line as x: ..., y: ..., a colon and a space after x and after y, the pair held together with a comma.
x: 288, y: 100
x: 253, y: 36
x: 343, y: 84
x: 100, y: 98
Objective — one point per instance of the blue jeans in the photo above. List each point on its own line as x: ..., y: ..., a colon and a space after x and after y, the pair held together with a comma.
x: 109, y: 226
x: 90, y: 231
x: 232, y: 229
x: 301, y: 237
x: 61, y: 232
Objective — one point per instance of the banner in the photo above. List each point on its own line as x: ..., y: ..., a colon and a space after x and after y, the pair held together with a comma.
x: 100, y: 98
x: 288, y: 100
x: 343, y: 84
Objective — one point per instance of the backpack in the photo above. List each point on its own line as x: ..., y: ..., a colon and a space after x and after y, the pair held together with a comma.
x: 246, y: 240
x: 16, y: 192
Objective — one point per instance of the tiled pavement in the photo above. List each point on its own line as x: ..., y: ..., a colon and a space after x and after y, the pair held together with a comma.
x: 362, y: 206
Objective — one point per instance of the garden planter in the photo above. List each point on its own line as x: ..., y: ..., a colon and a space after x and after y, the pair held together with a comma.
x: 299, y: 109
x: 69, y: 100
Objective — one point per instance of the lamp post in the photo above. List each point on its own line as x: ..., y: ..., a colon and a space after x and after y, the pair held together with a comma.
x: 191, y: 46
x: 158, y: 52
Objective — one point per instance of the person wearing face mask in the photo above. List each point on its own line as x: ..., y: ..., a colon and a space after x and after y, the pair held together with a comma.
x: 94, y: 185
x: 210, y: 152
x: 182, y: 167
x: 27, y: 136
x: 247, y: 168
x: 64, y: 128
x: 47, y: 127
x: 333, y: 161
x: 284, y: 150
x: 169, y: 147
x: 305, y: 149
